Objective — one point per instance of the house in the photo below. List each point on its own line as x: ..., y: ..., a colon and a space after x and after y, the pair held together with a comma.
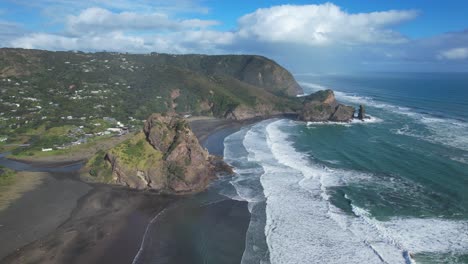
x: 114, y: 129
x: 121, y: 130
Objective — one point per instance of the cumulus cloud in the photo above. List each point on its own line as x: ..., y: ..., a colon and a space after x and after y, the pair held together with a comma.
x: 54, y: 8
x: 322, y: 24
x: 296, y: 35
x: 312, y: 25
x: 97, y: 19
x: 8, y: 31
x: 454, y: 54
x: 114, y: 41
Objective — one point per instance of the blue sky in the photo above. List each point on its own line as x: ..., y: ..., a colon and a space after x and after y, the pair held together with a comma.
x: 305, y: 36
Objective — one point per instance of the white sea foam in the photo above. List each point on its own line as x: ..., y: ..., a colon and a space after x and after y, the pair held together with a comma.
x: 463, y: 159
x: 369, y: 120
x: 136, y: 259
x: 450, y: 132
x: 300, y: 215
x: 446, y: 131
x: 312, y: 87
x: 248, y: 188
x: 297, y: 209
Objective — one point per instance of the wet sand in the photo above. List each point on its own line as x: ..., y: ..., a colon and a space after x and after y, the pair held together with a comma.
x: 197, y: 232
x: 106, y: 227
x: 80, y: 223
x: 38, y: 209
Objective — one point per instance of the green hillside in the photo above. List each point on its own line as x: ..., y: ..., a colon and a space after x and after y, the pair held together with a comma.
x: 83, y: 91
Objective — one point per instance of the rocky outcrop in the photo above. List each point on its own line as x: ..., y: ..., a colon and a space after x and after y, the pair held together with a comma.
x: 322, y: 106
x: 166, y: 157
x: 242, y: 112
x: 361, y: 113
x: 343, y: 113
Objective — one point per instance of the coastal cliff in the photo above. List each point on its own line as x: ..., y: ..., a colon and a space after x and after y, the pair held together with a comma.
x: 166, y: 157
x: 323, y: 106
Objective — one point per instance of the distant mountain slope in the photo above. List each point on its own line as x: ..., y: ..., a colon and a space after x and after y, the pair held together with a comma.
x: 40, y: 86
x: 56, y: 99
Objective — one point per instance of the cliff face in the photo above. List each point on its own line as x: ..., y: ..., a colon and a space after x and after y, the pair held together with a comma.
x: 166, y: 157
x: 322, y: 106
x: 254, y: 70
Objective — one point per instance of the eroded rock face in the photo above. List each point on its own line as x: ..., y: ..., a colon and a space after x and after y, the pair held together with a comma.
x: 242, y: 112
x: 343, y: 113
x: 166, y: 157
x: 322, y: 106
x: 361, y: 112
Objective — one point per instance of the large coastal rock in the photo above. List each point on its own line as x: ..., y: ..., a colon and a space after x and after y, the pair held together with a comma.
x: 166, y: 157
x: 322, y: 106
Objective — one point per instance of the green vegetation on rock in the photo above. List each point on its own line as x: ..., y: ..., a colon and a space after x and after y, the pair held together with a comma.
x: 166, y: 157
x: 7, y: 176
x: 99, y: 170
x: 137, y: 153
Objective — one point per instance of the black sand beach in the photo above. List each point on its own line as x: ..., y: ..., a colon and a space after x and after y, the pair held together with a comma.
x: 38, y: 212
x: 80, y: 223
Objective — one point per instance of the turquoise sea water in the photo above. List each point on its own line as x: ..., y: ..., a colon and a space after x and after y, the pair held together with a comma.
x: 392, y: 189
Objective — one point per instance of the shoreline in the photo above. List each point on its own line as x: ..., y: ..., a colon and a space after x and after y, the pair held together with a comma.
x: 92, y: 233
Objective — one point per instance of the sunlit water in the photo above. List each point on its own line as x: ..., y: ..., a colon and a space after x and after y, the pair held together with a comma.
x: 392, y: 189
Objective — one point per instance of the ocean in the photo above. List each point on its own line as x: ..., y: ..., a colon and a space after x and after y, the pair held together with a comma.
x: 391, y: 189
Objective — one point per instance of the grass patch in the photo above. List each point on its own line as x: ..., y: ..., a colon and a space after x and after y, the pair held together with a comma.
x: 35, y: 152
x: 99, y: 168
x: 137, y: 153
x: 7, y: 176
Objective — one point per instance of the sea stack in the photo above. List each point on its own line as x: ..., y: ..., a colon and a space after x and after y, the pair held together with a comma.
x: 361, y: 112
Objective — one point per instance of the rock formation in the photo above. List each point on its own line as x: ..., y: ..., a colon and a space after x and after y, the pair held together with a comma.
x: 361, y: 112
x: 322, y: 106
x: 166, y: 157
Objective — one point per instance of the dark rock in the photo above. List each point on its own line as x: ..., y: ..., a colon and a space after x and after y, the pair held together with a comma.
x: 322, y: 106
x: 361, y: 112
x: 343, y: 113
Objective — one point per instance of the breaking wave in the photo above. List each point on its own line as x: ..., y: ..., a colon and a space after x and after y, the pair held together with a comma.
x: 302, y: 224
x: 446, y: 131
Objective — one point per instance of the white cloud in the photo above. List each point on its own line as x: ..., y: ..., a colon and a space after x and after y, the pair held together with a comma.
x: 454, y: 54
x: 95, y: 19
x: 321, y: 25
x: 9, y: 30
x: 324, y: 34
x: 310, y: 25
x: 114, y: 41
x: 55, y: 8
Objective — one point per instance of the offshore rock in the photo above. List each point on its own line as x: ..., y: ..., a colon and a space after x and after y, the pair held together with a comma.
x: 361, y: 112
x: 322, y: 106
